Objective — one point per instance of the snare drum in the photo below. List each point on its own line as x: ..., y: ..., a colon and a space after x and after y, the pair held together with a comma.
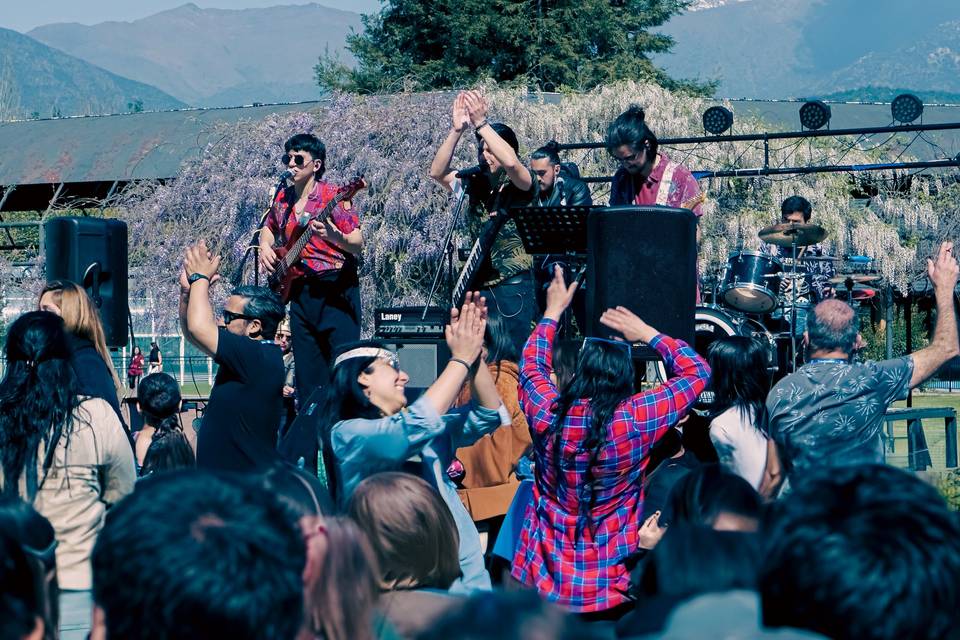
x: 751, y: 282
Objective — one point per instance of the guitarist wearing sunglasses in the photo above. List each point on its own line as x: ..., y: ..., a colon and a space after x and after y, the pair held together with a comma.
x: 318, y: 279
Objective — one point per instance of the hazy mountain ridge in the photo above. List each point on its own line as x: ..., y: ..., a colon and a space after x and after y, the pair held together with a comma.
x: 215, y: 57
x: 42, y: 81
x: 801, y: 48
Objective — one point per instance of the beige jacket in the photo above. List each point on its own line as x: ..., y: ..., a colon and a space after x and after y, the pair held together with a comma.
x: 92, y: 469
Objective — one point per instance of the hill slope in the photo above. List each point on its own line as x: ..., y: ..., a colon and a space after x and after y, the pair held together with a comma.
x: 214, y: 57
x: 37, y: 79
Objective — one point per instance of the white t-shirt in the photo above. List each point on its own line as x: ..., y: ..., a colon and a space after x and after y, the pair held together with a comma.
x: 741, y: 447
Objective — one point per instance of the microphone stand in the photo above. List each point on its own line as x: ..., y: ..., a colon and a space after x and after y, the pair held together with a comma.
x: 447, y: 258
x: 254, y: 237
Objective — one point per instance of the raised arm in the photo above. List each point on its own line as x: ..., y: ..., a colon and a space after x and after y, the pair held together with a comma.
x: 464, y: 337
x: 669, y: 402
x: 440, y: 169
x: 196, y: 313
x: 537, y: 390
x: 943, y: 274
x: 477, y: 109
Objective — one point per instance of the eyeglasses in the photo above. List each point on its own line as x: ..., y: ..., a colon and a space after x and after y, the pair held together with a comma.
x: 629, y: 159
x: 298, y: 159
x: 230, y: 316
x: 617, y: 343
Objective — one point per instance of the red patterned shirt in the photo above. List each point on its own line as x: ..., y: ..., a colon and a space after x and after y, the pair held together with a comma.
x: 587, y: 572
x: 319, y: 256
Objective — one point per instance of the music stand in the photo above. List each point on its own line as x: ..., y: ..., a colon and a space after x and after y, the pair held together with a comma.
x: 556, y: 231
x: 547, y: 230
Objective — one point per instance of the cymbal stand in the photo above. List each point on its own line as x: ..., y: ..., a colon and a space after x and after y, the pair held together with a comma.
x: 793, y: 308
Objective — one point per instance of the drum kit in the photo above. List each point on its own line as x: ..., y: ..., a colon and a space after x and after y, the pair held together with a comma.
x: 760, y: 295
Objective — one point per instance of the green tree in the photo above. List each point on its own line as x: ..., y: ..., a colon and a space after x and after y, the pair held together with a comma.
x: 544, y: 44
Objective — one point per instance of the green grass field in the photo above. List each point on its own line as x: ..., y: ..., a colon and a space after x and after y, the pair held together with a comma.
x: 932, y: 429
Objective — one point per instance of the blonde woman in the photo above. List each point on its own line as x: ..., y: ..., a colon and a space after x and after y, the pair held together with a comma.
x: 91, y: 360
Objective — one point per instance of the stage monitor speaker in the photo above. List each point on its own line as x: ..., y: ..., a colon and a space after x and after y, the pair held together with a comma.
x: 422, y: 359
x: 92, y: 252
x: 645, y: 259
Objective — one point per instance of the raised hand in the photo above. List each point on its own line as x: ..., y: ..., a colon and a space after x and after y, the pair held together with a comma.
x: 461, y: 119
x: 559, y: 295
x: 943, y: 270
x: 198, y: 259
x: 629, y: 324
x: 464, y: 334
x: 476, y: 106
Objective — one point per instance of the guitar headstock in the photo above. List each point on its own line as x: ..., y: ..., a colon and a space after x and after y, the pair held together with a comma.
x: 347, y: 191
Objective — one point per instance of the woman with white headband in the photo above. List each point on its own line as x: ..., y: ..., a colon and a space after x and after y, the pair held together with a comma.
x: 365, y: 426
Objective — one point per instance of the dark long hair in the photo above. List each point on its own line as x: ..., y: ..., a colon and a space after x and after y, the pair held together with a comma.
x: 38, y: 395
x: 159, y: 398
x: 482, y: 188
x: 169, y: 450
x: 740, y: 377
x: 344, y: 399
x: 605, y: 379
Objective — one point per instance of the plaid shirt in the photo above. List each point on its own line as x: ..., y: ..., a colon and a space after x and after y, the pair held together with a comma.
x: 319, y: 256
x: 588, y: 573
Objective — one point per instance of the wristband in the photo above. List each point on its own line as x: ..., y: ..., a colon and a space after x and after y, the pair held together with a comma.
x: 193, y: 277
x: 481, y: 125
x: 464, y: 363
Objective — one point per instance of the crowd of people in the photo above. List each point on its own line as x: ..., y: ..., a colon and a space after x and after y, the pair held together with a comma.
x: 529, y: 492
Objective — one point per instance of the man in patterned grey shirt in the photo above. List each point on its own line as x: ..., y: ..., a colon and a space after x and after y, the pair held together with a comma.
x: 830, y: 412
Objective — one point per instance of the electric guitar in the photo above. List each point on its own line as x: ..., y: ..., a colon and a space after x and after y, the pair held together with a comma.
x: 289, y: 267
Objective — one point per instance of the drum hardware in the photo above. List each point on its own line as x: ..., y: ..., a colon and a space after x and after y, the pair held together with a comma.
x: 854, y: 278
x: 793, y: 234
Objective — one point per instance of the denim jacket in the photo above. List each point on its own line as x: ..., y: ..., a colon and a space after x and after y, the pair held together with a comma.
x: 364, y: 447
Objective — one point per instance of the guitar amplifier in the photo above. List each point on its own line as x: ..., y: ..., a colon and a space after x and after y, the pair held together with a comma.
x: 409, y: 322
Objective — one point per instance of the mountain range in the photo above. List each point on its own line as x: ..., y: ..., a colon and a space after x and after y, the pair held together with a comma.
x: 37, y: 80
x: 845, y: 49
x: 806, y: 48
x: 214, y: 57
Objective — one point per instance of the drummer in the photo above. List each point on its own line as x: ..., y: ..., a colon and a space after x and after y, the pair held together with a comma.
x: 817, y: 273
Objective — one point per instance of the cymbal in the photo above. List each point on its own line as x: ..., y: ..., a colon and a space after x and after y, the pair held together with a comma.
x: 783, y: 234
x: 859, y: 278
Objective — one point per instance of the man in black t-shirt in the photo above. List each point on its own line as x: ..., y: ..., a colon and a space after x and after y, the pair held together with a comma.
x: 239, y: 427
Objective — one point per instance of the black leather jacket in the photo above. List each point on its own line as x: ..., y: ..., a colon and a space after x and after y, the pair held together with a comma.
x: 567, y: 191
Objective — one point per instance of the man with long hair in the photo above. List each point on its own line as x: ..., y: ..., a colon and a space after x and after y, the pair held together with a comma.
x: 499, y: 182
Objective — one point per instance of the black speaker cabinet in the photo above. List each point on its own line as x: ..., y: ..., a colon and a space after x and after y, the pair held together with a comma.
x: 92, y: 252
x: 422, y: 359
x: 645, y: 259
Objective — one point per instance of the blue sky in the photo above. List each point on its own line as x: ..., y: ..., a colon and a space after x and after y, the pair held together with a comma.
x: 23, y: 16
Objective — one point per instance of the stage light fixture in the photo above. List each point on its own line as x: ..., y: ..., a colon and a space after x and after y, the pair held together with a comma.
x: 906, y: 108
x: 717, y: 119
x: 814, y: 115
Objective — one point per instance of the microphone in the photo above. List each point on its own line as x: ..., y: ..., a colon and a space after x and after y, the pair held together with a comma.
x: 470, y: 172
x: 281, y: 181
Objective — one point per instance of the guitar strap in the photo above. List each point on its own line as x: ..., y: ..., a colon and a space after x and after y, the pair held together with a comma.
x: 666, y: 180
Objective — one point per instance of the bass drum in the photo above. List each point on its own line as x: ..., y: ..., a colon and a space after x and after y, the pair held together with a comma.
x: 713, y: 323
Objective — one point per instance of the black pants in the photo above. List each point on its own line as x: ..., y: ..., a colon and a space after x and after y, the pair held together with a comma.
x: 514, y: 302
x: 324, y: 314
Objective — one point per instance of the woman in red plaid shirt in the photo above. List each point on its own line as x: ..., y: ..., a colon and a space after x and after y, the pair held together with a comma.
x: 591, y: 445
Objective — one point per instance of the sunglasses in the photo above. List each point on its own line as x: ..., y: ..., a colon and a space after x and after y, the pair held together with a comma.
x: 298, y: 159
x: 617, y: 343
x: 230, y: 316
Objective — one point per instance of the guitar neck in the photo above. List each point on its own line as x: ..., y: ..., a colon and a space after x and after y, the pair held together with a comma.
x: 294, y: 254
